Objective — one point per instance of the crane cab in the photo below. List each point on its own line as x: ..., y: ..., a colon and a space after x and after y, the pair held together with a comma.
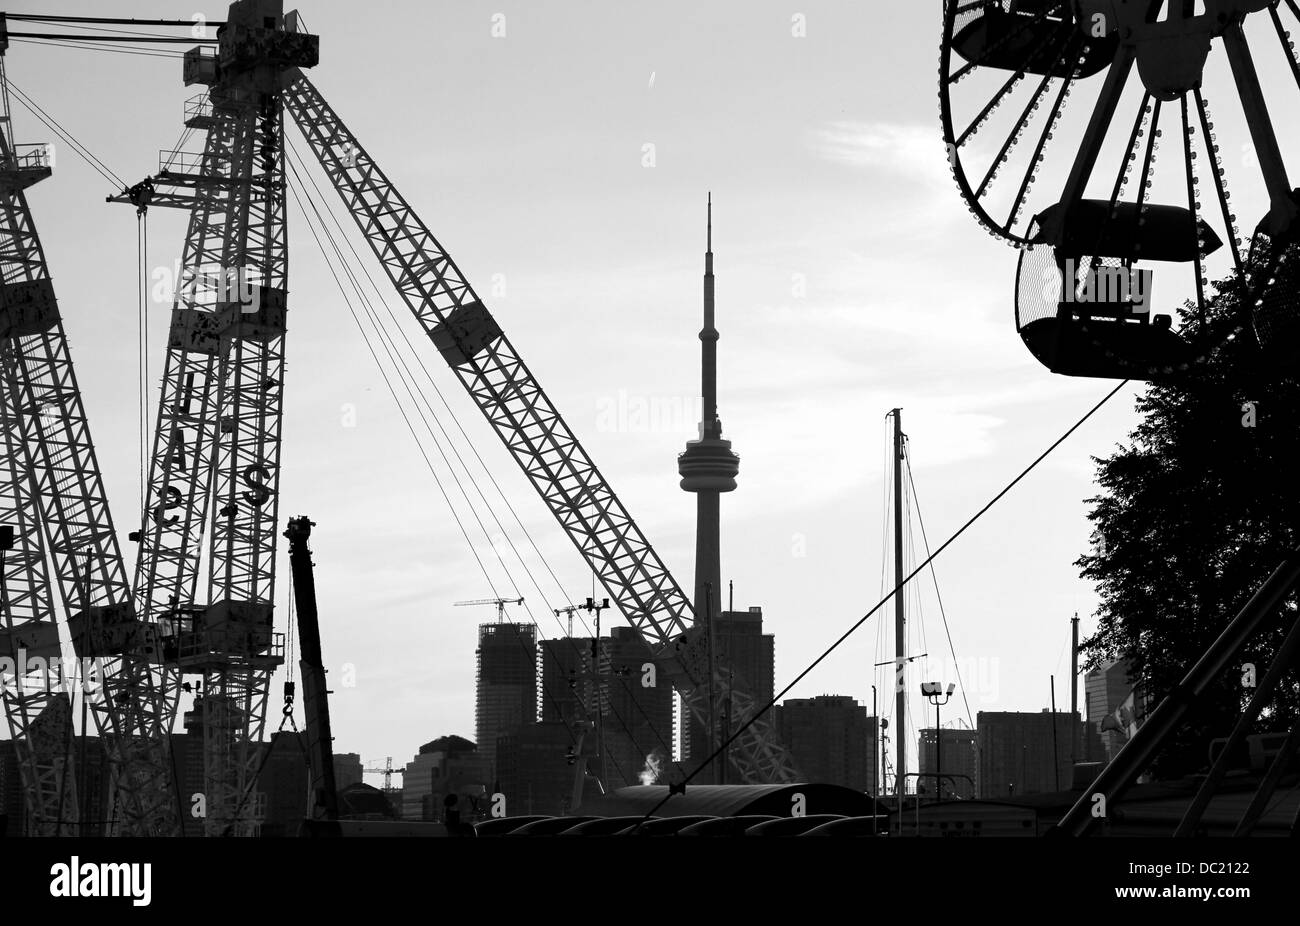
x: 1083, y: 303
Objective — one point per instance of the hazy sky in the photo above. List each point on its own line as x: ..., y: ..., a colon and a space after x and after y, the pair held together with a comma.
x: 850, y: 280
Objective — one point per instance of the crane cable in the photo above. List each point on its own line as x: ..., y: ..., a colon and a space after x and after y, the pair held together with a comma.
x: 390, y: 348
x: 412, y: 389
x: 898, y: 590
x: 420, y: 361
x: 64, y: 135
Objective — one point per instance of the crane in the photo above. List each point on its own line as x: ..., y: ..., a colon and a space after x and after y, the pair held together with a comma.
x: 323, y: 812
x: 472, y: 342
x: 65, y: 551
x: 500, y: 604
x: 215, y: 463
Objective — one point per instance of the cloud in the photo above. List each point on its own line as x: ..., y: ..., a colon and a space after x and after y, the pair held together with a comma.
x: 912, y: 151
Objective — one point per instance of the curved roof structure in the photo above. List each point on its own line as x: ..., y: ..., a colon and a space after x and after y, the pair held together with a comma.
x: 730, y: 801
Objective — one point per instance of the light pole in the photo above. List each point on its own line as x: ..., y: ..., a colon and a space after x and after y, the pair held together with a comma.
x: 597, y: 607
x: 934, y: 691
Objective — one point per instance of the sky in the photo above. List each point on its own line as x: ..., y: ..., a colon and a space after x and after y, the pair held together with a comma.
x: 850, y: 280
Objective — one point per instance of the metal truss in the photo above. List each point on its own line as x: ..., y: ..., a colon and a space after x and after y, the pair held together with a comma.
x: 49, y: 422
x: 39, y: 715
x: 529, y: 424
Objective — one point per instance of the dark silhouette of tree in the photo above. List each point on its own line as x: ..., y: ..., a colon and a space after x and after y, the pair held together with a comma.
x: 1198, y: 509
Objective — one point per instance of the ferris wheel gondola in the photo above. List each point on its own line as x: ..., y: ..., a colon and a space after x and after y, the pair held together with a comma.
x: 1023, y: 158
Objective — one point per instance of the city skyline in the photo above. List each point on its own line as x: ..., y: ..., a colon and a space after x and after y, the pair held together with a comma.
x: 810, y: 284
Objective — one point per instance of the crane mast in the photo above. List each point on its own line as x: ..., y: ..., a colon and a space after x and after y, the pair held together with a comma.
x: 500, y: 383
x: 216, y: 461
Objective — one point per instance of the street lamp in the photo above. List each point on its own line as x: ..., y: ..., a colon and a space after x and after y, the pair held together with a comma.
x: 934, y: 691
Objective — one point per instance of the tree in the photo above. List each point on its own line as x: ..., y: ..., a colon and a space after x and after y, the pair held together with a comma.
x: 1198, y: 509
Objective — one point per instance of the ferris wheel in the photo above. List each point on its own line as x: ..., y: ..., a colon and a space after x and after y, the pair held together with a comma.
x: 1057, y: 150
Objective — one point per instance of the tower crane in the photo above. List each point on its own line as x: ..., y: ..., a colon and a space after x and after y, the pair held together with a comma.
x: 500, y: 604
x: 54, y: 495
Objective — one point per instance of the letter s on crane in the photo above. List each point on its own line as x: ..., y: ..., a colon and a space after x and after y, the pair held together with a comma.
x: 259, y: 493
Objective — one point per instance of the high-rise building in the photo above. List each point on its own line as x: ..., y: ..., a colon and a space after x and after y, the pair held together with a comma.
x: 633, y: 718
x: 533, y: 768
x: 952, y: 753
x: 751, y: 655
x: 347, y: 769
x: 285, y: 779
x: 1110, y: 691
x: 1017, y: 753
x: 565, y: 677
x: 507, y: 682
x: 638, y: 716
x: 446, y: 766
x: 831, y: 739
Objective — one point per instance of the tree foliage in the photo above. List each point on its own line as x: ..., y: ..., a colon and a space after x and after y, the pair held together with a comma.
x: 1196, y: 511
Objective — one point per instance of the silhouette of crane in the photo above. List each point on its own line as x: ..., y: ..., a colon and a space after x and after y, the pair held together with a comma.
x: 499, y: 602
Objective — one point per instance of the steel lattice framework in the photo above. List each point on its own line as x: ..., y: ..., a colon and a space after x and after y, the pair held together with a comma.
x: 39, y: 716
x: 216, y: 456
x: 530, y: 426
x: 45, y: 417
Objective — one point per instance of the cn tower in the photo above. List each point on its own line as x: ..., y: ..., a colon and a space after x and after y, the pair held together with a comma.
x: 708, y: 467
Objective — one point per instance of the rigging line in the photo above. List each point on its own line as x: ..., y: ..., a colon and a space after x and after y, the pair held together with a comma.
x: 391, y: 349
x: 54, y: 126
x: 116, y: 21
x: 420, y: 361
x: 139, y: 349
x: 157, y: 39
x: 401, y: 409
x: 898, y: 590
x: 111, y: 51
x: 135, y: 32
x: 935, y: 579
x: 394, y: 354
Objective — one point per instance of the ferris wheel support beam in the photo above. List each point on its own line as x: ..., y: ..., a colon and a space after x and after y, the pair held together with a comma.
x: 1282, y: 212
x: 1095, y: 136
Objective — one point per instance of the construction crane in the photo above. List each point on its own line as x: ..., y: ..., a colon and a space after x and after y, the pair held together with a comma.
x: 216, y: 448
x: 323, y: 812
x: 54, y: 497
x: 500, y: 604
x: 387, y: 771
x: 214, y: 466
x: 473, y: 344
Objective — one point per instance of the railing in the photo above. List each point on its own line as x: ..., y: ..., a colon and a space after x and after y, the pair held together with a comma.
x: 211, y: 644
x: 180, y: 162
x: 29, y: 157
x: 198, y: 107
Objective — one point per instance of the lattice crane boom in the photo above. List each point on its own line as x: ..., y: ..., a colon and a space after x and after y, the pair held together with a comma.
x: 500, y: 383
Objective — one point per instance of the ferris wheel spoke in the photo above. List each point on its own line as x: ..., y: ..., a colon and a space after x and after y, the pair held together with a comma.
x: 1013, y: 138
x: 1149, y: 159
x: 1220, y: 185
x: 1126, y: 167
x: 1288, y: 44
x: 1193, y: 204
x: 1030, y: 171
x: 1283, y: 208
x: 992, y: 104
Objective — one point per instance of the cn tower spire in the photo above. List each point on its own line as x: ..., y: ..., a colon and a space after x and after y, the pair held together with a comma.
x: 708, y: 467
